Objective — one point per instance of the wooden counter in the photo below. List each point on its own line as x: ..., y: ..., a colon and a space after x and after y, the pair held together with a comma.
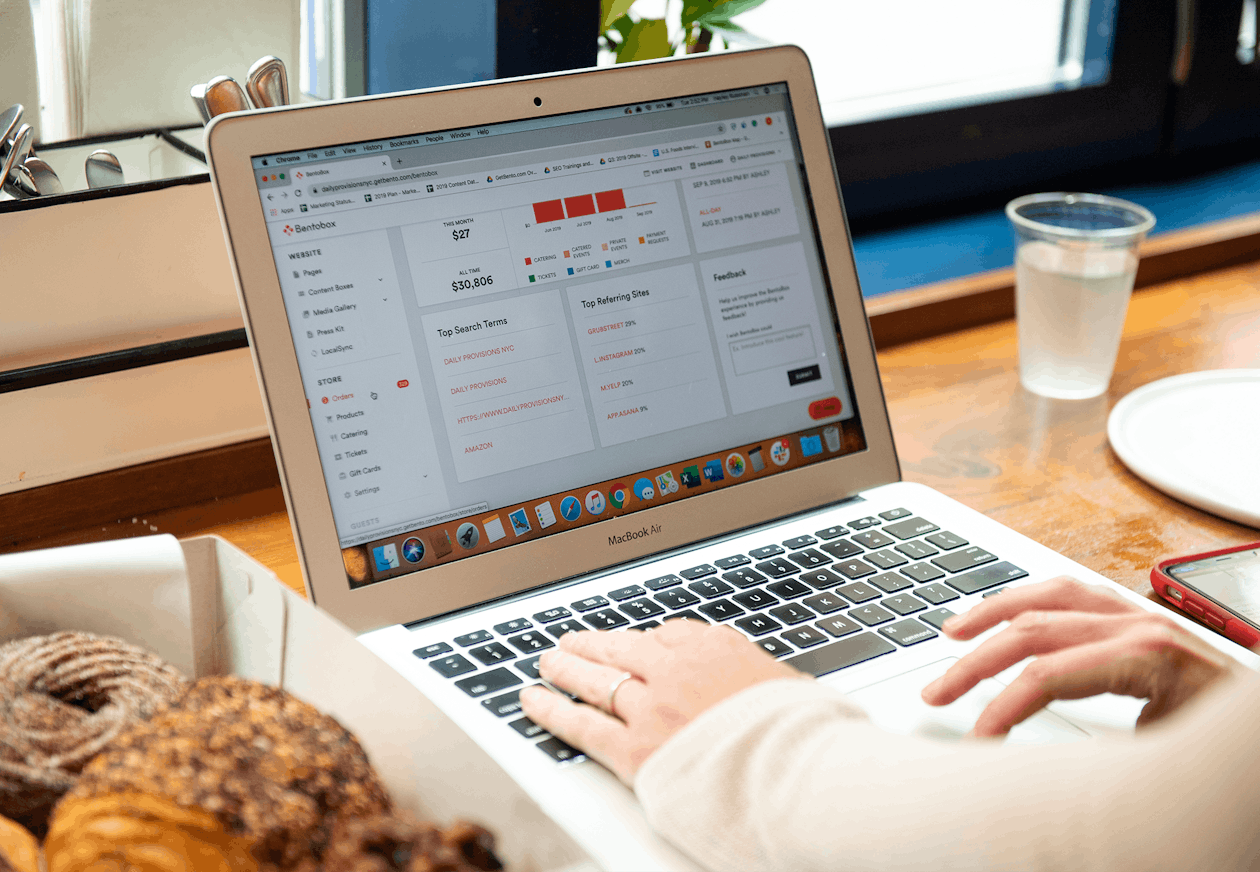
x: 963, y: 425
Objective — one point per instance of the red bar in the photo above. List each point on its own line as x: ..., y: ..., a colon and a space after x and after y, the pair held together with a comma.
x: 551, y: 210
x: 610, y: 201
x: 576, y: 207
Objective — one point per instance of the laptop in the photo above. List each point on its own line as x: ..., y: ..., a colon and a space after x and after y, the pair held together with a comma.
x: 588, y: 351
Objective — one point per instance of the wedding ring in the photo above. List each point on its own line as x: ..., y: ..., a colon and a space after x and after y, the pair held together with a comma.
x: 612, y: 691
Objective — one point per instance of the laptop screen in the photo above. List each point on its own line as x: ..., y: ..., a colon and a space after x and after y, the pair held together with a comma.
x: 512, y: 330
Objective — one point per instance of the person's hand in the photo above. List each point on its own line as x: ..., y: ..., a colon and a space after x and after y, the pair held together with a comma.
x: 1087, y: 640
x: 679, y: 670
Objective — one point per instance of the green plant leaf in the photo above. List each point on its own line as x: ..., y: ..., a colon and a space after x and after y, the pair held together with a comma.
x: 693, y: 10
x: 723, y: 11
x: 649, y: 38
x: 611, y: 10
x: 623, y: 26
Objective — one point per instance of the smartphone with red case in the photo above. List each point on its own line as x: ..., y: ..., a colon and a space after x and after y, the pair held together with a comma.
x: 1221, y: 588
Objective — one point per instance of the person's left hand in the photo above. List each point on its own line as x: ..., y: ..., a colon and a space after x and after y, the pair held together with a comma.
x: 679, y: 670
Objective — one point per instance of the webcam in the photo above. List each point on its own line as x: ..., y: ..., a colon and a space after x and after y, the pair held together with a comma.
x: 538, y: 101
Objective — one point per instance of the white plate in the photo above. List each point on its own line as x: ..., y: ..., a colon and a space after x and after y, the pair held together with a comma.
x: 1196, y: 437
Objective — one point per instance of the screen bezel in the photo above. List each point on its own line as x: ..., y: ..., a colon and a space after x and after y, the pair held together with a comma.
x: 233, y: 140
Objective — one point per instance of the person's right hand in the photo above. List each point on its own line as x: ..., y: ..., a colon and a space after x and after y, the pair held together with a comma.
x: 1087, y: 640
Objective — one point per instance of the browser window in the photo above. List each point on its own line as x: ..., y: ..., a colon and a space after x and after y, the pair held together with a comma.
x: 511, y: 330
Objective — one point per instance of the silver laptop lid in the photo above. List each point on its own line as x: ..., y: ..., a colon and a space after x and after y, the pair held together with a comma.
x: 513, y: 333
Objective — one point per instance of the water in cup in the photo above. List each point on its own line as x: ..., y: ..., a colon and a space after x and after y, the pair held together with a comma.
x: 1071, y: 305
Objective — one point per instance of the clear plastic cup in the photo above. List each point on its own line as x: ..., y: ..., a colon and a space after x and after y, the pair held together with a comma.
x: 1076, y: 256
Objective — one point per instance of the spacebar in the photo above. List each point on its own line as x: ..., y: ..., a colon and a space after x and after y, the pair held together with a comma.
x: 838, y: 655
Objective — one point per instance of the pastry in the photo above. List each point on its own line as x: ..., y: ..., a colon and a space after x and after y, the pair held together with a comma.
x: 385, y: 843
x: 19, y: 852
x: 62, y: 699
x: 233, y: 769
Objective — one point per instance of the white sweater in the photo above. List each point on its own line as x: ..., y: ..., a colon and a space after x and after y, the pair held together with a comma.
x: 790, y: 775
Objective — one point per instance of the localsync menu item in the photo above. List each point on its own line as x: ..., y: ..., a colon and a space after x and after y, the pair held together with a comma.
x: 646, y: 352
x: 508, y: 383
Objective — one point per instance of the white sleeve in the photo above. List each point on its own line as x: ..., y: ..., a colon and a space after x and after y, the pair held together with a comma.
x: 789, y: 775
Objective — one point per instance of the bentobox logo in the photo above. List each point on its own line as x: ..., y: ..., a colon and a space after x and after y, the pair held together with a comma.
x: 290, y: 229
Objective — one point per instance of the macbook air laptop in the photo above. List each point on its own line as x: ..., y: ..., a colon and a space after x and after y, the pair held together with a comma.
x: 588, y: 351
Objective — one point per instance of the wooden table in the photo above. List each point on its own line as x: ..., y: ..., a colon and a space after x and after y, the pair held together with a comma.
x: 965, y: 426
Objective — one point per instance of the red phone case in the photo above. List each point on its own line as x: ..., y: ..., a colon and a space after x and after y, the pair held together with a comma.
x: 1193, y: 603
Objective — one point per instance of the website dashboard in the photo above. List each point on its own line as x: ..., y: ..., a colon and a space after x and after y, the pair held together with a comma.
x: 504, y: 322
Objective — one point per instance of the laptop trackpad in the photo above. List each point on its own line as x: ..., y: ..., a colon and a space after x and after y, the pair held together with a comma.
x: 895, y: 705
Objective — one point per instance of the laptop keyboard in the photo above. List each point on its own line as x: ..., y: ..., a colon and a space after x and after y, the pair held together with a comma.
x: 825, y: 602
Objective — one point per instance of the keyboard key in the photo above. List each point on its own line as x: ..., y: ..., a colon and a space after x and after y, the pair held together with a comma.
x: 872, y: 539
x: 710, y: 588
x: 591, y: 602
x: 825, y: 603
x: 908, y: 633
x: 622, y: 594
x: 894, y: 514
x: 515, y: 625
x: 559, y: 750
x: 946, y: 541
x: 488, y: 682
x: 854, y: 569
x: 492, y: 653
x: 821, y: 578
x: 799, y: 542
x: 803, y: 637
x: 552, y: 615
x: 863, y: 523
x: 758, y: 625
x: 916, y: 550
x: 989, y: 593
x: 449, y: 667
x: 530, y: 643
x: 778, y: 568
x: 983, y: 579
x: 507, y: 704
x: 676, y: 599
x: 755, y: 599
x: 646, y: 625
x: 774, y: 646
x: 720, y: 610
x: 936, y: 594
x: 837, y: 626
x: 605, y: 619
x: 529, y: 668
x: 809, y: 558
x: 743, y: 577
x: 432, y: 650
x: 904, y: 604
x: 922, y: 572
x: 792, y: 613
x: 687, y: 615
x: 767, y: 551
x: 698, y: 572
x: 527, y: 728
x: 968, y: 558
x: 563, y: 627
x: 789, y: 588
x: 641, y: 609
x: 732, y: 561
x: 936, y: 617
x: 841, y: 549
x: 831, y: 532
x: 858, y: 592
x: 910, y: 528
x: 474, y: 638
x: 663, y: 582
x: 885, y: 559
x: 842, y: 654
x: 891, y: 582
x: 871, y: 615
